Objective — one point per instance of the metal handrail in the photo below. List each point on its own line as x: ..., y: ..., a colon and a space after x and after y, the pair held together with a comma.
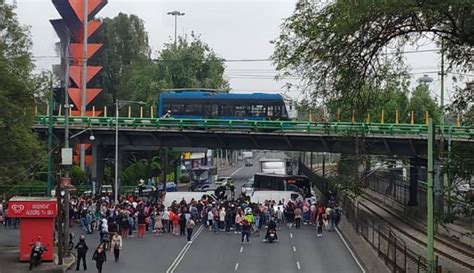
x: 343, y: 128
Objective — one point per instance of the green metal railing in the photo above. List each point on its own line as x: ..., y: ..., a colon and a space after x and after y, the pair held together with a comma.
x: 332, y: 128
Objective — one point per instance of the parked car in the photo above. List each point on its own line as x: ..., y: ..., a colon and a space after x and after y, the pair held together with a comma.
x: 223, y: 181
x: 105, y: 189
x: 247, y: 187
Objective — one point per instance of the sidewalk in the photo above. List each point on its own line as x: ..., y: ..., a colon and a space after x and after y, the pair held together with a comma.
x: 10, y: 253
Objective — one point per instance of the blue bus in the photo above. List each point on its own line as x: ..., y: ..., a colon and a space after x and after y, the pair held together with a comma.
x: 207, y: 104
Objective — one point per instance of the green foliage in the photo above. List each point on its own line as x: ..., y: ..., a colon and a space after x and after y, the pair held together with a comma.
x: 21, y: 152
x: 125, y: 44
x: 78, y: 176
x: 189, y: 64
x: 184, y: 179
x: 420, y: 102
x: 141, y: 169
x: 340, y: 48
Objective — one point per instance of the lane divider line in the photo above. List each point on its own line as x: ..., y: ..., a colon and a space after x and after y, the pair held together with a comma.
x: 294, y: 249
x: 241, y: 249
x: 291, y: 235
x: 236, y: 266
x: 298, y: 265
x: 183, y: 251
x: 350, y: 250
x: 236, y: 171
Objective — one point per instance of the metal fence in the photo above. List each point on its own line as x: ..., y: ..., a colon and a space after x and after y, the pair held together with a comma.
x: 389, y: 247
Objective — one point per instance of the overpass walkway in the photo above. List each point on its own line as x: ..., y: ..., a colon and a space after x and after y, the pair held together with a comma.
x: 417, y: 131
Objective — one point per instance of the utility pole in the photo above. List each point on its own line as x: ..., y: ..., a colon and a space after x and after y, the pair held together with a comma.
x: 67, y: 106
x: 429, y: 198
x: 50, y: 140
x: 175, y: 14
x: 84, y: 78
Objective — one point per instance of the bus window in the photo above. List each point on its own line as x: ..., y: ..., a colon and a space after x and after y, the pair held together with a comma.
x: 226, y: 110
x: 193, y: 109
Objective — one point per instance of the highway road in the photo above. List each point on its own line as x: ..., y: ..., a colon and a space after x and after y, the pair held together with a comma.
x: 297, y: 251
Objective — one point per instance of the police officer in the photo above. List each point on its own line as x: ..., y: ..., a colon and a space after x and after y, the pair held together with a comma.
x: 81, y: 252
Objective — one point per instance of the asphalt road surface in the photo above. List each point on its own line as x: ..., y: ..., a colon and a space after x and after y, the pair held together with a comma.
x: 298, y: 250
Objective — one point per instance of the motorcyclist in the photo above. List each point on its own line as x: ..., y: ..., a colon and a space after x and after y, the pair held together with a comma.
x: 167, y: 115
x: 81, y: 252
x: 271, y: 226
x: 38, y: 248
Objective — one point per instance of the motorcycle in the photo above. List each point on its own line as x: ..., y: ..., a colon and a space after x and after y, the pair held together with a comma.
x: 37, y: 251
x: 271, y: 236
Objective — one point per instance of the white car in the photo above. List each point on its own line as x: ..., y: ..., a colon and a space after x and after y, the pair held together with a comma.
x: 223, y: 181
x: 104, y: 190
x: 247, y: 188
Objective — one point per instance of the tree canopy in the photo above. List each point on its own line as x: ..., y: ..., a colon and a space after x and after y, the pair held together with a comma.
x: 189, y: 64
x: 341, y: 47
x: 125, y: 44
x: 20, y: 148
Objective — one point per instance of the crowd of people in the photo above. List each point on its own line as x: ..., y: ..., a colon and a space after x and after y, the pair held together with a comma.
x: 134, y: 216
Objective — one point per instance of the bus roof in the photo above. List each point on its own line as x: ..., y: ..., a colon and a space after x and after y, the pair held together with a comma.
x: 220, y: 96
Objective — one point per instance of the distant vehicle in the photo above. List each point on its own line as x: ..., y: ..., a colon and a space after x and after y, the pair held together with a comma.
x: 148, y: 189
x: 247, y: 187
x: 248, y: 162
x: 215, y: 104
x: 188, y: 196
x: 273, y: 166
x: 261, y: 196
x: 278, y: 182
x: 223, y: 181
x: 202, y: 178
x: 247, y: 155
x: 105, y: 189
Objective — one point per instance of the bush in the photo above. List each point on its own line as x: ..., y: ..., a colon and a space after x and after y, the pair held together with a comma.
x: 184, y: 179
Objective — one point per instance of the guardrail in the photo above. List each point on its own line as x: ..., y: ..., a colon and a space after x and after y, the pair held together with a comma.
x: 342, y: 128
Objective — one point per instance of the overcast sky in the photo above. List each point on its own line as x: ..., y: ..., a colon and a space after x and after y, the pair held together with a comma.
x: 235, y: 29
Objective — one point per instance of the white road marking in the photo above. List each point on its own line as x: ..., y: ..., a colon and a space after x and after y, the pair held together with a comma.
x: 298, y: 265
x: 294, y: 249
x: 350, y: 250
x: 183, y: 252
x: 241, y: 249
x: 236, y: 171
x: 236, y: 266
x: 291, y: 235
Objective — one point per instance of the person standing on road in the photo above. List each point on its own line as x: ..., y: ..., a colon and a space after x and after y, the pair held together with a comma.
x: 81, y: 253
x: 298, y: 215
x: 116, y: 245
x: 141, y: 218
x: 246, y: 226
x: 189, y: 228
x: 99, y: 257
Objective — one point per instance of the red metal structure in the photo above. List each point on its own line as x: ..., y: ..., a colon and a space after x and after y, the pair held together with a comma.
x: 70, y: 30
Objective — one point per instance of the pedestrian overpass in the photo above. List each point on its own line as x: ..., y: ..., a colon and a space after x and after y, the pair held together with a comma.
x: 141, y: 134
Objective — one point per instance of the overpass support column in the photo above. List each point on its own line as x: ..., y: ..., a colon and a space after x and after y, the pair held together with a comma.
x: 414, y: 175
x: 98, y: 163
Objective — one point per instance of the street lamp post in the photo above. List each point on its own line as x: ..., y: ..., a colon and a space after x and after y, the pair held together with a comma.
x: 118, y: 105
x: 175, y: 14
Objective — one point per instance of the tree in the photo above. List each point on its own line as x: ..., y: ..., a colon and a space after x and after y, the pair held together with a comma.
x: 125, y: 44
x: 421, y: 102
x: 141, y: 169
x: 20, y: 150
x: 341, y: 47
x: 189, y: 64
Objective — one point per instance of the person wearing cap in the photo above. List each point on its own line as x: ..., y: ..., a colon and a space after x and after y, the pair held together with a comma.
x: 168, y: 114
x: 81, y: 248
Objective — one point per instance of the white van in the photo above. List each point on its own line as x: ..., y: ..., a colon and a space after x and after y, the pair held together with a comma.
x: 188, y: 196
x: 284, y: 196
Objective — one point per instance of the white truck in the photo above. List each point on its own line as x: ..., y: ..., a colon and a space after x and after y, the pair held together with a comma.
x: 273, y: 165
x: 247, y: 155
